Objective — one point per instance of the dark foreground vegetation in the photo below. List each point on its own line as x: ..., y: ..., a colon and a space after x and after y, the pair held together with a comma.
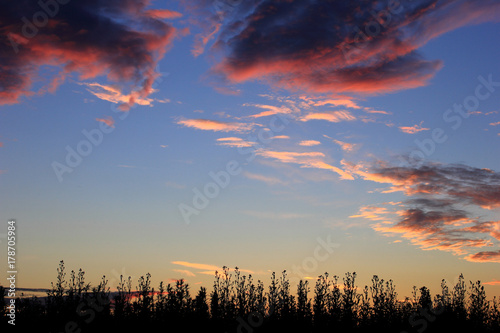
x: 238, y: 304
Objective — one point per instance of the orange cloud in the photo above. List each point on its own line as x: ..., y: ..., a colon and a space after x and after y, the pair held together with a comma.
x: 345, y: 146
x: 487, y: 256
x: 202, y: 40
x: 334, y: 116
x: 184, y: 272
x: 206, y: 269
x: 234, y: 142
x: 214, y: 125
x: 338, y: 102
x: 163, y: 14
x: 492, y: 283
x: 271, y: 110
x: 368, y: 110
x: 108, y: 121
x: 305, y: 160
x: 197, y: 266
x: 309, y: 143
x: 413, y: 129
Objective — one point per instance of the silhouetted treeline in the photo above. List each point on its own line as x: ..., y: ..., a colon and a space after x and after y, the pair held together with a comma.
x: 237, y: 303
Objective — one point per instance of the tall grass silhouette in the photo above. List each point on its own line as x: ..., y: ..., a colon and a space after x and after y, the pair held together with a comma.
x: 239, y: 304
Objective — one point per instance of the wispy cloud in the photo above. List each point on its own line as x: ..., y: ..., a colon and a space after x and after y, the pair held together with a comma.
x: 309, y: 143
x: 486, y: 256
x: 305, y: 160
x: 202, y: 39
x: 492, y: 283
x: 114, y: 95
x: 234, y: 142
x: 413, y: 129
x: 184, y: 272
x: 270, y: 110
x: 215, y: 125
x: 333, y: 116
x: 338, y: 102
x: 163, y: 14
x: 266, y: 179
x: 108, y: 121
x: 205, y: 268
x: 346, y: 146
x: 369, y: 110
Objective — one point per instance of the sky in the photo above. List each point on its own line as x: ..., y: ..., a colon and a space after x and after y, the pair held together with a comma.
x: 177, y: 137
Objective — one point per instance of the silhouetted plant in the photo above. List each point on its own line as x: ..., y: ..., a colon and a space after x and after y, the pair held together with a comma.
x: 122, y: 299
x: 2, y: 301
x: 237, y: 302
x: 143, y: 306
x: 304, y: 312
x: 458, y: 299
x: 479, y: 306
x: 200, y: 305
x: 286, y: 302
x: 349, y: 299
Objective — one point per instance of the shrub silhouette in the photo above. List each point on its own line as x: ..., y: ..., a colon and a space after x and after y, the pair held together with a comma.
x: 238, y: 304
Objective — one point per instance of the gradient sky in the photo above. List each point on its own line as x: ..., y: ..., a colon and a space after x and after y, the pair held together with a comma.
x: 372, y: 126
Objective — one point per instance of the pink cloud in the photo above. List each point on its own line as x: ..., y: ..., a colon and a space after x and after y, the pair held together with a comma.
x: 345, y: 146
x: 234, y: 142
x: 214, y: 125
x: 305, y: 160
x: 413, y: 129
x: 309, y: 143
x: 108, y: 121
x: 333, y: 116
x: 486, y: 256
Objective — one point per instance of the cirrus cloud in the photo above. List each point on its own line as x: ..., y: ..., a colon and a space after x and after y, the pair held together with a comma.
x: 215, y: 125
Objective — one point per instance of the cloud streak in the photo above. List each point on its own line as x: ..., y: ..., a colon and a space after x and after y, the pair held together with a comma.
x: 215, y: 125
x: 305, y: 160
x: 413, y: 129
x: 333, y: 116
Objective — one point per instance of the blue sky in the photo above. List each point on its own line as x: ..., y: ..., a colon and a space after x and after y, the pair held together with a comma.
x: 332, y: 167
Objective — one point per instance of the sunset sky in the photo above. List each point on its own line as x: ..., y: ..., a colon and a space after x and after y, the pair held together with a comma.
x: 176, y: 137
